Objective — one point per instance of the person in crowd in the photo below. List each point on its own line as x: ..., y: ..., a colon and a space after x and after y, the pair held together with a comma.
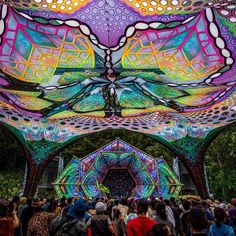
x: 160, y: 230
x: 208, y: 213
x: 186, y: 204
x: 54, y: 207
x: 177, y: 213
x: 232, y: 214
x: 62, y: 203
x: 100, y: 224
x: 16, y: 200
x: 198, y: 222
x: 222, y: 204
x: 92, y: 210
x: 151, y: 210
x: 39, y: 223
x: 119, y: 223
x: 65, y: 210
x: 115, y: 204
x: 162, y: 217
x: 13, y: 207
x: 21, y: 206
x: 131, y: 214
x: 210, y: 206
x: 140, y: 225
x: 169, y: 212
x: 7, y: 223
x: 123, y: 207
x: 47, y: 204
x: 220, y: 228
x: 26, y: 215
x: 71, y: 223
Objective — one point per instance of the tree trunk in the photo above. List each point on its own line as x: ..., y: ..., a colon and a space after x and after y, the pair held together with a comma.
x: 34, y: 174
x: 196, y: 171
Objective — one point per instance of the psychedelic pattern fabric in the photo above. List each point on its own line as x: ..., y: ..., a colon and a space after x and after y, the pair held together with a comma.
x: 118, y: 169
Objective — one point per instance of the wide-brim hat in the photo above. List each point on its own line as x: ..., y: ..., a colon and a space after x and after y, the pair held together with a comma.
x: 78, y: 209
x: 193, y: 198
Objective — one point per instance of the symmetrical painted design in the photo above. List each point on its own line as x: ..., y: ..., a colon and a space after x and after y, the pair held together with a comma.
x: 145, y: 175
x: 162, y: 68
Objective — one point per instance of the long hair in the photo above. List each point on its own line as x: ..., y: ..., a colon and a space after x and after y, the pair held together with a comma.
x: 161, y: 210
x: 142, y: 206
x: 3, y: 210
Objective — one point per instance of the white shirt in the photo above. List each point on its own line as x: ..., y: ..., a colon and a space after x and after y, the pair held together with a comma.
x: 170, y: 215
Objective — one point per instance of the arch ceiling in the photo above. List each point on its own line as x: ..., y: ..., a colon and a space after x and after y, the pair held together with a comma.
x: 72, y: 67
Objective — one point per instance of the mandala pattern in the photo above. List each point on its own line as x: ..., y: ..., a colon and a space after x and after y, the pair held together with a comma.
x: 112, y: 164
x: 119, y: 182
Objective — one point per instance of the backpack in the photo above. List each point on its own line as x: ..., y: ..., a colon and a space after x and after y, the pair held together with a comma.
x: 65, y: 229
x: 62, y: 226
x: 99, y: 226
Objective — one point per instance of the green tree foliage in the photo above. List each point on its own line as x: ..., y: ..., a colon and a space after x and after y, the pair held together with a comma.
x: 221, y: 164
x: 92, y: 142
x: 11, y: 183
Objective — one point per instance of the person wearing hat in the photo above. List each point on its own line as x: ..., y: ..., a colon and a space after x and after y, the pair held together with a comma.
x: 100, y: 224
x: 71, y: 223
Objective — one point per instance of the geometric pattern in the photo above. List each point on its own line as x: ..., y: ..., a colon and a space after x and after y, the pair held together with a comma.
x: 168, y: 49
x: 33, y: 52
x: 119, y: 182
x: 148, y: 176
x: 57, y: 6
x: 162, y: 68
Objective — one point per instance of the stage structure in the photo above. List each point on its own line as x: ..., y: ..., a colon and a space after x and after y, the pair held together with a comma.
x: 115, y: 170
x: 164, y: 68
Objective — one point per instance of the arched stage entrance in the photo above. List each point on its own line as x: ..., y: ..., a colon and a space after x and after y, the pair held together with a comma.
x: 115, y: 170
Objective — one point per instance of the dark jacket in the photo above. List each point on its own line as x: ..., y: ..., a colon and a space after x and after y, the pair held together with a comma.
x: 65, y: 226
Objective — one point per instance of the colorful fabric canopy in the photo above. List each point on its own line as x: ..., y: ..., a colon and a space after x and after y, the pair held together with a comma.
x: 165, y: 68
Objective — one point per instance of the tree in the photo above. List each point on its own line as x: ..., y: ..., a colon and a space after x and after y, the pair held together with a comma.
x: 221, y: 164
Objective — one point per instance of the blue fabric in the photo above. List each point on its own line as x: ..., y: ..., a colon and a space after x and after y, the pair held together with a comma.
x: 78, y: 209
x: 224, y: 230
x: 209, y: 216
x: 87, y: 217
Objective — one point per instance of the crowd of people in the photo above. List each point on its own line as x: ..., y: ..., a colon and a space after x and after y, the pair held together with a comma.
x: 123, y: 217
